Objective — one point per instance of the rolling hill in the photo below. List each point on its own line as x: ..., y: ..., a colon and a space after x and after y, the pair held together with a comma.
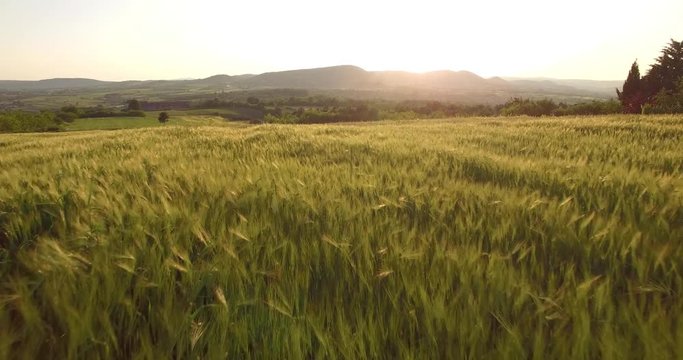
x: 463, y: 86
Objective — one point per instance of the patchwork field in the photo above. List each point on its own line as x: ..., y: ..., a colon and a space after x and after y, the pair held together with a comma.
x: 151, y: 120
x: 465, y: 238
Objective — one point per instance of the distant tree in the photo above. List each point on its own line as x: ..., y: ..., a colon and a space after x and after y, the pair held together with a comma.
x: 64, y: 116
x: 133, y: 105
x: 69, y: 109
x: 632, y: 95
x: 163, y: 117
x: 253, y: 100
x: 68, y: 113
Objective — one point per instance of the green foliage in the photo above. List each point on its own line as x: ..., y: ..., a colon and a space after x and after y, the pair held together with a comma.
x: 667, y: 70
x: 633, y: 94
x: 483, y: 238
x: 657, y: 91
x: 437, y: 109
x: 545, y: 107
x: 163, y: 117
x: 589, y: 108
x: 23, y: 121
x: 102, y: 112
x: 517, y: 106
x: 69, y: 113
x: 667, y: 102
x: 356, y: 113
x: 325, y: 109
x: 67, y: 117
x: 287, y: 118
x: 133, y: 105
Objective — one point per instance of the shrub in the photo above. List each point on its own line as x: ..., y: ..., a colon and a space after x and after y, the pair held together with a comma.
x: 163, y: 117
x: 23, y: 121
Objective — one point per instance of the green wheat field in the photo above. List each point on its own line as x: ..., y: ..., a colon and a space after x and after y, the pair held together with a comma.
x: 482, y: 238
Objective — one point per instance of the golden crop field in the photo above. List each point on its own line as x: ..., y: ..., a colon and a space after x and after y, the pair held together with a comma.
x: 467, y: 238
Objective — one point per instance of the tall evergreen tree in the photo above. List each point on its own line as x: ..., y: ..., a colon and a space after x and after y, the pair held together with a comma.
x: 632, y: 96
x: 667, y: 70
x: 660, y: 82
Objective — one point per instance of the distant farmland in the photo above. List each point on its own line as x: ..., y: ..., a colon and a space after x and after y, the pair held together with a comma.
x: 475, y: 238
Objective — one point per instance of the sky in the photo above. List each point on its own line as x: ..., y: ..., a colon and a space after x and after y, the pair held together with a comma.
x: 174, y: 39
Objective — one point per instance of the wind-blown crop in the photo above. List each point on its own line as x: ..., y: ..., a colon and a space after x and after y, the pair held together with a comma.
x: 476, y: 238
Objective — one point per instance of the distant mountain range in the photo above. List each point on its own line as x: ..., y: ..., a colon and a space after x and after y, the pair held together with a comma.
x: 452, y: 85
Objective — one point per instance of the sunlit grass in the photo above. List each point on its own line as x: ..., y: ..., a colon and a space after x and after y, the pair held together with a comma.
x: 473, y: 238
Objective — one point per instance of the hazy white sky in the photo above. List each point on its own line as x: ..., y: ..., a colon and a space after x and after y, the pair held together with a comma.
x: 167, y: 39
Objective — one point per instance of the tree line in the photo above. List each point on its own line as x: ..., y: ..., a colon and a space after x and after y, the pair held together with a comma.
x: 15, y: 121
x: 358, y: 110
x: 23, y: 121
x: 69, y: 113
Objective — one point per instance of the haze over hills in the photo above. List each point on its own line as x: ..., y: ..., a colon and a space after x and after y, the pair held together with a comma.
x: 443, y: 85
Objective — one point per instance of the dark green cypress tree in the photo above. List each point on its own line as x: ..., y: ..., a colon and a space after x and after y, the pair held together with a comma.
x: 631, y: 96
